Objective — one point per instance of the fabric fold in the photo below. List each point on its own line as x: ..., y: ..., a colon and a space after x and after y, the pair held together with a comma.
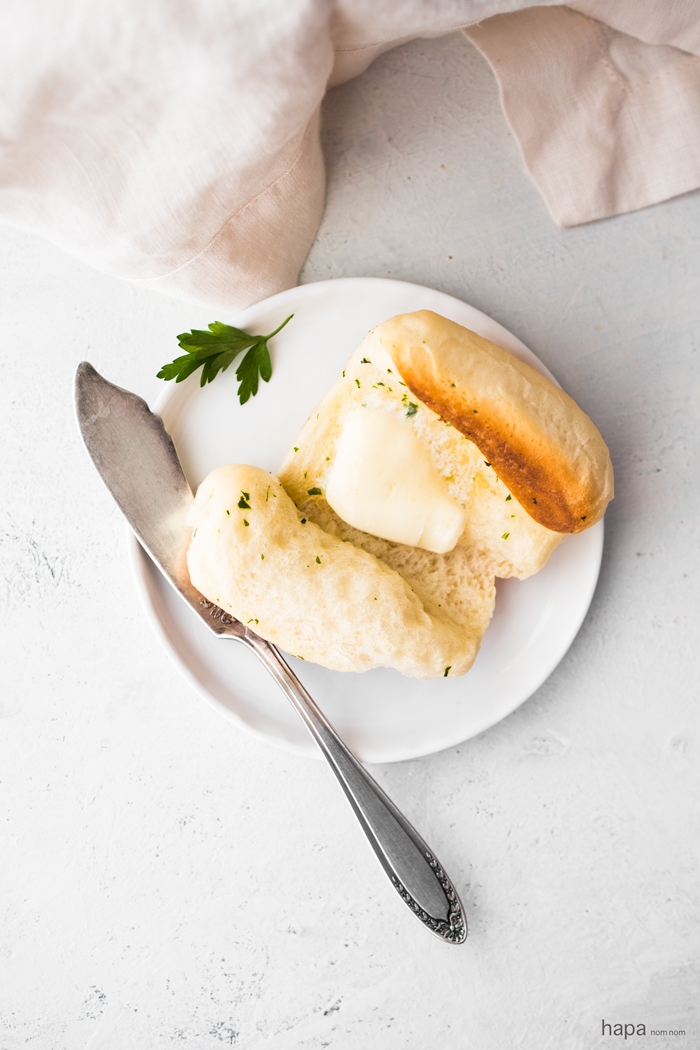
x: 260, y: 249
x: 606, y: 123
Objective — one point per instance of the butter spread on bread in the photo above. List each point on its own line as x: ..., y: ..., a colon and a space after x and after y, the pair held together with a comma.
x: 519, y: 460
x: 383, y: 481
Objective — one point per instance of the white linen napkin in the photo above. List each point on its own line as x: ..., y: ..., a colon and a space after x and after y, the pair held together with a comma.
x: 177, y: 146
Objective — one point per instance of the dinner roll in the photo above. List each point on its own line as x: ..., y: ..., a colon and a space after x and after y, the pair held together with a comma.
x: 433, y: 436
x: 544, y: 447
x: 263, y: 561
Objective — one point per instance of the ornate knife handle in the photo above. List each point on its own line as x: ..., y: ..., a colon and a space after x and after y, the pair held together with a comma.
x: 411, y: 865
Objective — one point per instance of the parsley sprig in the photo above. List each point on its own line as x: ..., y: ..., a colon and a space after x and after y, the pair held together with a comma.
x: 215, y: 350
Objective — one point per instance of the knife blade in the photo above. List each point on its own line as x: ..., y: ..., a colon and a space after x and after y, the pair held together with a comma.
x: 136, y: 458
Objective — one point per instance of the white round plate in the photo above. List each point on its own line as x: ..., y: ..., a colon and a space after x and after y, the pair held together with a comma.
x: 381, y: 715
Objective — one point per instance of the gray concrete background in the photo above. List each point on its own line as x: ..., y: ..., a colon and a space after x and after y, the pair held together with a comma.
x: 169, y: 881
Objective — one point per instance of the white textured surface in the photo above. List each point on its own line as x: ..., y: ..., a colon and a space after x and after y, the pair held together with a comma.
x: 170, y: 882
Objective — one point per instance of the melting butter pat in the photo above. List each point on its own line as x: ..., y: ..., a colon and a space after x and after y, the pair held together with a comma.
x: 383, y: 482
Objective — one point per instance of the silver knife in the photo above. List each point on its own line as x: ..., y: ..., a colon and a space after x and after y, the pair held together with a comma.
x: 136, y: 459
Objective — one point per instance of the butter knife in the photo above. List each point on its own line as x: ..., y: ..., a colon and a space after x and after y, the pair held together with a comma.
x: 136, y: 459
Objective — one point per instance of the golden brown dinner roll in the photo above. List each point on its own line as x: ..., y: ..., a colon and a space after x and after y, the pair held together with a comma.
x: 544, y: 447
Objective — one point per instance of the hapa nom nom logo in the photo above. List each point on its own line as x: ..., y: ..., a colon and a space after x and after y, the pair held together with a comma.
x: 627, y: 1030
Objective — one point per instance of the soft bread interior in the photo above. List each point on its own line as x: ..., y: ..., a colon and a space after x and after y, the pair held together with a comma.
x: 499, y: 535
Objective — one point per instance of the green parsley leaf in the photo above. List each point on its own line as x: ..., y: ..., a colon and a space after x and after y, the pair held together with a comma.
x: 215, y: 350
x: 447, y: 670
x: 315, y: 491
x: 508, y: 497
x: 412, y: 408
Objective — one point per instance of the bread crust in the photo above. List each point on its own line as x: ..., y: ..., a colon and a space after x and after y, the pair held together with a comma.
x: 540, y: 443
